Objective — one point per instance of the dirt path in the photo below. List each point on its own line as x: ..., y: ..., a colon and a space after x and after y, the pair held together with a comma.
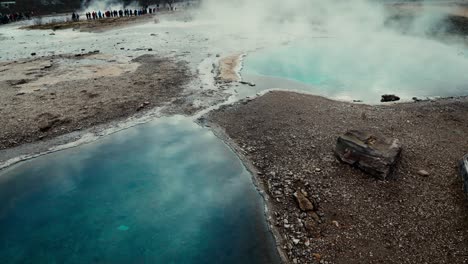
x: 289, y: 138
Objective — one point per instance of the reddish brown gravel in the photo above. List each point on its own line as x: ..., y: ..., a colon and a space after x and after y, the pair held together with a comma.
x: 289, y: 138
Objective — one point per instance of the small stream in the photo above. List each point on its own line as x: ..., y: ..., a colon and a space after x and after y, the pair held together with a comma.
x: 167, y: 191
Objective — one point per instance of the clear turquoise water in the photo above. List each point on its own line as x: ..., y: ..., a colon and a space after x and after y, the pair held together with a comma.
x: 164, y: 192
x: 366, y: 69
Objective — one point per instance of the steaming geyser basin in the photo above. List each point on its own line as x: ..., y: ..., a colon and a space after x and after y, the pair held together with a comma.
x: 364, y: 70
x: 164, y: 192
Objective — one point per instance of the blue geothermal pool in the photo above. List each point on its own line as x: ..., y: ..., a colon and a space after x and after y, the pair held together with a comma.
x: 165, y: 192
x: 364, y: 70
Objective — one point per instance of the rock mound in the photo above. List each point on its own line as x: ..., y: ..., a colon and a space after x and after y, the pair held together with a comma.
x: 374, y: 154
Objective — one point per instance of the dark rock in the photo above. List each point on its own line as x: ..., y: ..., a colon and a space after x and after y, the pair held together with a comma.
x: 17, y: 82
x: 247, y: 83
x: 33, y: 54
x: 150, y: 49
x: 389, y: 98
x: 304, y: 203
x: 464, y: 173
x: 312, y: 228
x: 48, y: 124
x: 372, y: 153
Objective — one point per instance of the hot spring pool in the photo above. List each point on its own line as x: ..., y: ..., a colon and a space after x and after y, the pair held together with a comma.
x: 164, y: 192
x: 363, y: 70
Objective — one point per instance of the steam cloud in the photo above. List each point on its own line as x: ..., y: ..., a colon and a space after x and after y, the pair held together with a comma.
x: 364, y: 40
x: 104, y: 5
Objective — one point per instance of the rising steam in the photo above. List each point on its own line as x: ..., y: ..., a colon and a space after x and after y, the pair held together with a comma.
x: 369, y: 49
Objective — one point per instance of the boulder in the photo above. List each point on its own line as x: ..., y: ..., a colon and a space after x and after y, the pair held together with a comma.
x: 304, y: 203
x: 389, y: 98
x: 464, y: 173
x: 375, y: 154
x: 46, y: 125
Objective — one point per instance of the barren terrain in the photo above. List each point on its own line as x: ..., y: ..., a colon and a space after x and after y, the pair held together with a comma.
x: 46, y: 97
x: 289, y: 140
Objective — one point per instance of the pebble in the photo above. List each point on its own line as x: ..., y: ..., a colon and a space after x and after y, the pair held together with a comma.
x: 423, y: 173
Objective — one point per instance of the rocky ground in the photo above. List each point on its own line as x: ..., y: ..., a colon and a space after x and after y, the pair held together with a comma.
x: 417, y: 217
x: 43, y: 98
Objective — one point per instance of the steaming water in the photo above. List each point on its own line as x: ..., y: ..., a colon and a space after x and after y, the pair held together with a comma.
x: 165, y: 192
x: 336, y: 68
x: 169, y: 191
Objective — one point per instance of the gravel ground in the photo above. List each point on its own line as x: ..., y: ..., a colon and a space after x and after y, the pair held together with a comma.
x: 65, y: 106
x: 289, y: 138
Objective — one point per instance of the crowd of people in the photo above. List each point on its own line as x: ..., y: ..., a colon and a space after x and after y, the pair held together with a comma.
x: 13, y: 17
x: 118, y: 13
